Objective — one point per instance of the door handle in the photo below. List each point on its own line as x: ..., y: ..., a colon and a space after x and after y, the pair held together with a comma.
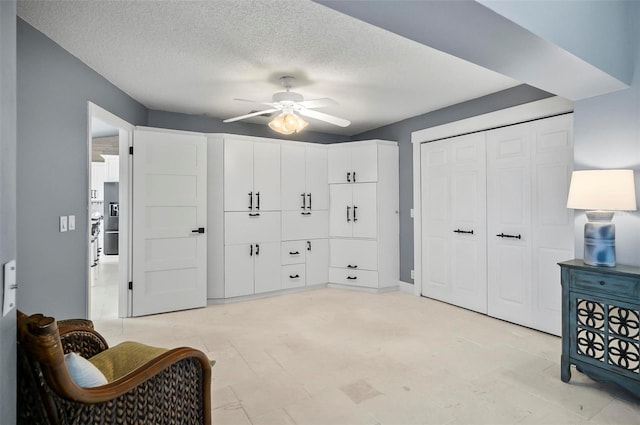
x: 258, y: 200
x: 354, y: 213
x: 349, y: 177
x: 348, y: 218
x: 198, y: 230
x: 304, y: 201
x: 470, y: 232
x: 349, y: 266
x: 257, y: 249
x: 294, y: 252
x: 308, y: 245
x: 502, y: 235
x: 309, y: 195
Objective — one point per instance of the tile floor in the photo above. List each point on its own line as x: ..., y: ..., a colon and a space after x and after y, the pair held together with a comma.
x: 331, y: 356
x: 104, y: 288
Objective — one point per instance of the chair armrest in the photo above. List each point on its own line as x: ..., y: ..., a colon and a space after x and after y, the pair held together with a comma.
x: 176, y: 383
x: 83, y: 340
x: 75, y: 323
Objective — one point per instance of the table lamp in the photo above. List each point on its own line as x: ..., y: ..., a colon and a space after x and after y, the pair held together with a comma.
x: 601, y: 193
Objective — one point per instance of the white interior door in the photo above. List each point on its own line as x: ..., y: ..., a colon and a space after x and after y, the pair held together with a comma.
x: 509, y: 216
x: 340, y: 210
x: 169, y: 203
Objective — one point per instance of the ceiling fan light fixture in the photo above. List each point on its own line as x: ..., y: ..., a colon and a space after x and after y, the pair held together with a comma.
x: 287, y: 123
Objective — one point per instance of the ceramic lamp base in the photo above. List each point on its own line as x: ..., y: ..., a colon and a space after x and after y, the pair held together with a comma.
x: 600, y: 239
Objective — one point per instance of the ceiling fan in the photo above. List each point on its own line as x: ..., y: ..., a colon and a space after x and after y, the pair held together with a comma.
x: 290, y: 104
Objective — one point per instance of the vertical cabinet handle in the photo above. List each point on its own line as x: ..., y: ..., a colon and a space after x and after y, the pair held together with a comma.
x: 250, y: 201
x: 308, y: 245
x: 348, y: 209
x: 309, y: 195
x: 257, y: 200
x: 257, y: 249
x: 349, y: 177
x: 354, y: 176
x: 354, y: 213
x: 304, y: 201
x: 251, y: 251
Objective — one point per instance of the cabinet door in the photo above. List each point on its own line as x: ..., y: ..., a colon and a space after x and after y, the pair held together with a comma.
x: 294, y: 192
x: 509, y: 214
x: 354, y: 254
x: 339, y: 163
x: 305, y: 226
x: 317, y: 179
x: 111, y: 168
x: 238, y: 270
x: 238, y: 175
x: 267, y: 267
x: 340, y: 210
x: 97, y: 181
x: 266, y: 176
x: 365, y: 214
x: 364, y: 163
x: 240, y: 227
x: 317, y: 256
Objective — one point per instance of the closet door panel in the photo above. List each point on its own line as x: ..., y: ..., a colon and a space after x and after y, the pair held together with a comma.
x: 365, y: 213
x: 364, y: 163
x: 339, y: 163
x: 267, y: 267
x: 317, y: 178
x: 317, y: 257
x: 293, y: 177
x: 266, y: 178
x: 238, y: 175
x: 238, y: 270
x: 341, y: 210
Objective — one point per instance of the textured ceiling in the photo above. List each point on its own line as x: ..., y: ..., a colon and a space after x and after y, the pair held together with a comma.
x: 195, y: 57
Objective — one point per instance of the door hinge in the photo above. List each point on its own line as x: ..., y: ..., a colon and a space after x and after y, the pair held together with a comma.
x: 130, y: 150
x: 131, y: 285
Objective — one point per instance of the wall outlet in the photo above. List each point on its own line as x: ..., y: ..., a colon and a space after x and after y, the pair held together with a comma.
x: 413, y: 274
x: 411, y: 213
x: 63, y: 223
x: 72, y: 222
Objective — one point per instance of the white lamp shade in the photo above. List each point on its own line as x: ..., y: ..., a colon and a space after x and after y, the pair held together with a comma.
x: 608, y: 190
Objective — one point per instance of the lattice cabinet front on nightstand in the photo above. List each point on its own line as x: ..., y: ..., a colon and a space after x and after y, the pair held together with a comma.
x: 601, y: 323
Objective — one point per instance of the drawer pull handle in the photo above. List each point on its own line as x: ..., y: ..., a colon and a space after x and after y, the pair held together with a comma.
x: 602, y: 283
x: 470, y: 232
x: 349, y: 266
x: 294, y: 252
x: 352, y: 277
x: 502, y: 235
x: 294, y: 276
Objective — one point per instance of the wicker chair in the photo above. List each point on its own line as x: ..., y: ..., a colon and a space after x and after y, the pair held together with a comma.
x: 172, y: 389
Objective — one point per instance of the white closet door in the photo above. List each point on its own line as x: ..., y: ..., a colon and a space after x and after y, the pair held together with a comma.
x: 365, y: 213
x: 468, y: 214
x: 238, y: 175
x: 169, y: 203
x: 436, y: 220
x: 267, y: 267
x: 293, y: 177
x: 341, y: 210
x: 238, y: 270
x: 552, y: 222
x: 364, y: 163
x: 509, y: 215
x: 339, y: 163
x: 266, y: 176
x: 317, y: 178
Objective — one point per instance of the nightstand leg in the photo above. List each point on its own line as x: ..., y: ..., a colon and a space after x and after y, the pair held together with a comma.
x: 565, y: 368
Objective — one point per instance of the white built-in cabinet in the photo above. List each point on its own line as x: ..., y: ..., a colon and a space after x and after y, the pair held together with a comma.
x: 509, y: 187
x: 111, y: 168
x: 363, y: 214
x: 97, y: 181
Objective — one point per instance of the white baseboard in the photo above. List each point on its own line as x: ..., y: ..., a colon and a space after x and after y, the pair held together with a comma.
x: 409, y: 288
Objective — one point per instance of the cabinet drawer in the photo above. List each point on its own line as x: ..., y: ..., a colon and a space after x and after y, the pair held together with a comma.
x: 293, y: 276
x: 352, y: 277
x: 309, y: 226
x: 293, y: 252
x: 242, y: 228
x: 354, y: 254
x: 605, y: 284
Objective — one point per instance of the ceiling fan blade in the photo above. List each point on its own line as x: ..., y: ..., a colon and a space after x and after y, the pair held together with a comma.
x: 256, y: 102
x: 253, y: 114
x: 340, y: 122
x: 318, y: 103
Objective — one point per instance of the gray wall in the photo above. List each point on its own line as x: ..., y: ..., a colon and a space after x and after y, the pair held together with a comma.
x: 53, y: 89
x: 401, y: 132
x: 205, y: 124
x: 7, y: 202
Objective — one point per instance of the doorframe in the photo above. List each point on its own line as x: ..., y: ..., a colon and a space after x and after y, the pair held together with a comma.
x: 528, y: 111
x: 125, y: 141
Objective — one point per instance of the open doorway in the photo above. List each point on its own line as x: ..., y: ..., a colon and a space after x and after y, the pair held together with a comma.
x: 108, y: 238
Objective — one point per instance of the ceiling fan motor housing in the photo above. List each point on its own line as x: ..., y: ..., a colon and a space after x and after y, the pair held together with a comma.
x: 287, y: 97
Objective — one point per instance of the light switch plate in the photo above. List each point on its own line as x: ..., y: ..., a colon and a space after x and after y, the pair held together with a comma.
x: 72, y: 222
x: 10, y: 287
x: 411, y: 213
x: 413, y: 274
x: 63, y: 223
